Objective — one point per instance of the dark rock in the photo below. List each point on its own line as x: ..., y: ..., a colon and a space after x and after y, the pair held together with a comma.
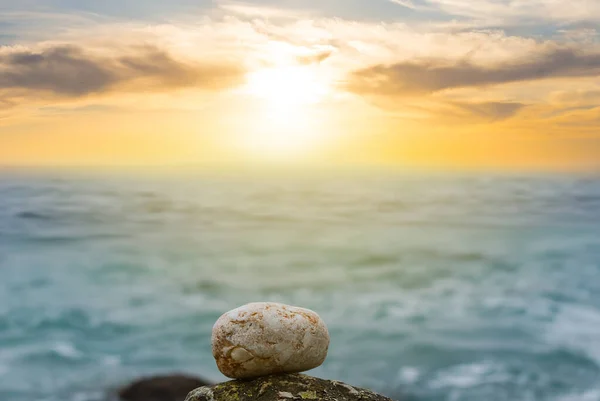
x: 292, y: 387
x: 161, y: 388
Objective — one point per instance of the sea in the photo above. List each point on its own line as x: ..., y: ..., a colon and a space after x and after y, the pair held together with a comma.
x: 434, y: 286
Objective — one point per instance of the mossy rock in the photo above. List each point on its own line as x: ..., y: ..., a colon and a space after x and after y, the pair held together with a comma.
x: 290, y: 387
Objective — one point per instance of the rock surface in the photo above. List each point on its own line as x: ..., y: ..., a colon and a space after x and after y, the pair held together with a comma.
x: 260, y: 339
x: 161, y: 388
x: 288, y: 387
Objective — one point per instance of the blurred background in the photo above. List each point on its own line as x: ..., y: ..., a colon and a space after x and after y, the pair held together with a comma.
x: 434, y: 286
x: 424, y: 174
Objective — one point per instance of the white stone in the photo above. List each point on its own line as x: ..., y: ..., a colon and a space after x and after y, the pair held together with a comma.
x: 264, y: 338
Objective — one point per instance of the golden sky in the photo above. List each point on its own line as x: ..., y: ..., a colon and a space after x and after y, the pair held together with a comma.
x: 481, y: 84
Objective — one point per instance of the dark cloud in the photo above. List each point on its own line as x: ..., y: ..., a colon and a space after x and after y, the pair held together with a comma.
x: 63, y: 70
x: 428, y: 76
x: 70, y: 71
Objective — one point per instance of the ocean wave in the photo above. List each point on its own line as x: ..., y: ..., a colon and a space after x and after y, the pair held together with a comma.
x: 60, y: 351
x: 90, y: 396
x: 471, y: 375
x: 70, y: 320
x: 441, y: 289
x: 409, y: 375
x: 66, y: 350
x: 577, y: 328
x: 585, y: 395
x: 31, y: 215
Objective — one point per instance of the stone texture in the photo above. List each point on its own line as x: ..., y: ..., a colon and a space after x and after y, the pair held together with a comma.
x: 265, y: 338
x: 287, y: 387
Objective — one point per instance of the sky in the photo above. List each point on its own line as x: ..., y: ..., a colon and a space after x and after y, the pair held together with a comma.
x: 442, y: 84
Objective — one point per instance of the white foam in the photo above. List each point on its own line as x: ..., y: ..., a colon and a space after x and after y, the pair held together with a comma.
x: 577, y: 328
x: 66, y: 350
x: 463, y: 376
x: 92, y: 396
x: 590, y: 395
x: 111, y: 360
x: 409, y: 375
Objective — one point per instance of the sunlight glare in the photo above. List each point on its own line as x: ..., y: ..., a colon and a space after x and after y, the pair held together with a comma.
x: 289, y: 86
x: 286, y: 125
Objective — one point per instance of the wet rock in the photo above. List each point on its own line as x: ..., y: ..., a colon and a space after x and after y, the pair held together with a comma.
x: 287, y: 387
x: 161, y: 388
x: 259, y: 339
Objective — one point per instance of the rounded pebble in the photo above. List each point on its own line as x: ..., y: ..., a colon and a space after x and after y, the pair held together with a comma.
x: 265, y: 338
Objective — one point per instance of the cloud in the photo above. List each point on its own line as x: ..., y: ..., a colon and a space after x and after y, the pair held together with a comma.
x: 70, y: 71
x: 253, y: 10
x: 433, y: 75
x: 316, y: 58
x: 585, y: 118
x: 511, y: 12
x: 388, y: 63
x: 576, y: 97
x: 494, y: 111
x: 89, y: 108
x: 62, y: 70
x: 405, y: 3
x: 448, y: 111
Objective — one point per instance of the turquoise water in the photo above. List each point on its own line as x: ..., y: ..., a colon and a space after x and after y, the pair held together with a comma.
x: 434, y: 287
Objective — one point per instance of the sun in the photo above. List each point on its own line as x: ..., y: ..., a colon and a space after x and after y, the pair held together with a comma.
x: 287, y: 122
x: 287, y: 86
